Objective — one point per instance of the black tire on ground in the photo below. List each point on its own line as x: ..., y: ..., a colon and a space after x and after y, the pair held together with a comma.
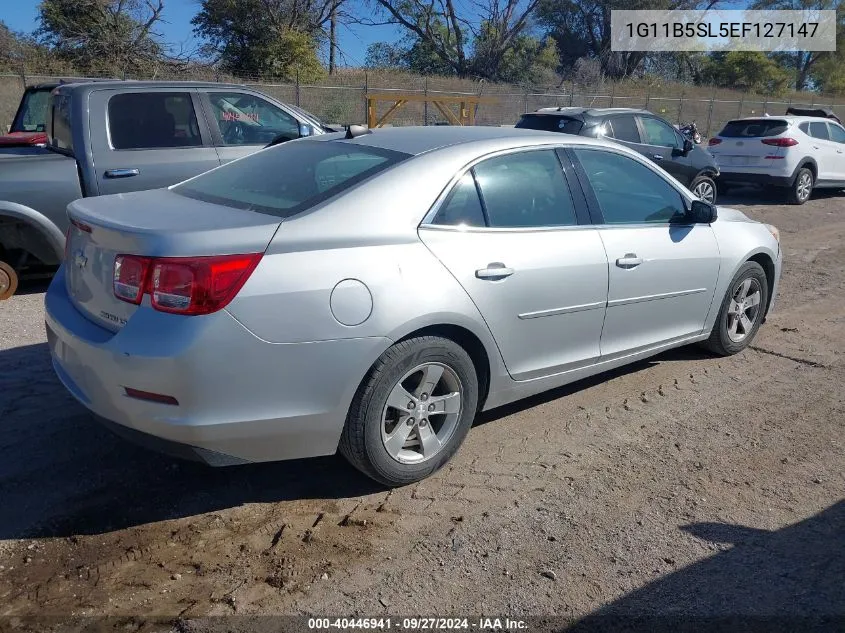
x: 720, y: 341
x: 8, y: 281
x: 801, y: 188
x: 705, y: 182
x: 361, y: 441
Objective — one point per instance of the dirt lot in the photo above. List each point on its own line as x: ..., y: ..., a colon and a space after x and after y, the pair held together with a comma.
x: 686, y: 485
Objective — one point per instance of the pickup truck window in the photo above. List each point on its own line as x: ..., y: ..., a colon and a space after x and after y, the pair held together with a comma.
x: 62, y: 138
x: 289, y: 178
x: 151, y: 120
x: 244, y: 119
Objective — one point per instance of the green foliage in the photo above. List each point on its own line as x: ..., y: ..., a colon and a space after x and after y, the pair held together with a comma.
x: 102, y: 36
x: 260, y: 38
x: 750, y: 70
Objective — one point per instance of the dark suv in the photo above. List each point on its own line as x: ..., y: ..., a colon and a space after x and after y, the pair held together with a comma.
x: 640, y: 130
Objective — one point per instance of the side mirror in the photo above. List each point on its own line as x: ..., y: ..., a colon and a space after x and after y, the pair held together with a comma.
x: 305, y: 130
x: 688, y: 146
x: 702, y: 212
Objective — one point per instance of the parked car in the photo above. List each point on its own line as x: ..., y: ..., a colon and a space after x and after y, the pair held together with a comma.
x: 795, y: 153
x: 642, y: 131
x: 373, y: 292
x: 115, y: 137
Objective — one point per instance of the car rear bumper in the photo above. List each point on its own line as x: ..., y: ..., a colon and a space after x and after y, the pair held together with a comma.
x: 754, y: 178
x: 240, y: 399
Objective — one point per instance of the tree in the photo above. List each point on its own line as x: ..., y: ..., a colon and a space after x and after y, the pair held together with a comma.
x: 103, y: 35
x: 750, y: 70
x: 581, y: 28
x: 467, y: 40
x: 275, y: 38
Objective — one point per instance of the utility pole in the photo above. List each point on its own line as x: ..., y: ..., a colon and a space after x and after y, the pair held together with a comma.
x: 332, y: 37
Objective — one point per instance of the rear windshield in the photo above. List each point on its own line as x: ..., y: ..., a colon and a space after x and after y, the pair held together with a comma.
x: 550, y: 123
x: 755, y: 128
x: 291, y: 177
x: 32, y: 113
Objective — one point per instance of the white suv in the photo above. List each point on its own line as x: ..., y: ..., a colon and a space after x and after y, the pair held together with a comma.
x: 798, y: 153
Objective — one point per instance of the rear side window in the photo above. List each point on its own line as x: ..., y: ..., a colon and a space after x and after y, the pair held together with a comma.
x: 837, y: 134
x: 525, y: 190
x: 62, y: 136
x: 818, y: 129
x: 550, y: 123
x: 32, y: 115
x: 291, y: 177
x: 462, y: 207
x: 624, y: 128
x: 754, y: 128
x: 629, y: 192
x: 805, y: 127
x: 152, y: 120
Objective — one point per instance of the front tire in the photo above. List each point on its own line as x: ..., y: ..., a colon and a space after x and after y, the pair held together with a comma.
x: 801, y: 189
x: 742, y: 311
x: 412, y: 411
x: 704, y: 188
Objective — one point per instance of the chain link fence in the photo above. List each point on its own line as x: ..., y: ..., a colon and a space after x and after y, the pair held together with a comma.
x: 340, y: 98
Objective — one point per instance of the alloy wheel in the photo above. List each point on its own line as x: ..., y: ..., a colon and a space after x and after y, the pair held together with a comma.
x: 744, y: 309
x: 421, y: 413
x: 704, y: 190
x: 804, y: 186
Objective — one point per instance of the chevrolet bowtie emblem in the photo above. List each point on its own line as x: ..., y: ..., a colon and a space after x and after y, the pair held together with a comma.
x: 79, y: 259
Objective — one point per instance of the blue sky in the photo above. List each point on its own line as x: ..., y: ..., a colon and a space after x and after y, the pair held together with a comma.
x: 22, y: 15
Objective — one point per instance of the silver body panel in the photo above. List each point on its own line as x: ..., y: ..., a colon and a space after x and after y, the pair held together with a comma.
x: 272, y: 375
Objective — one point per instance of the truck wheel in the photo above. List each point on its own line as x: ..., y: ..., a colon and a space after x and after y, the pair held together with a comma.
x: 8, y: 281
x: 801, y: 189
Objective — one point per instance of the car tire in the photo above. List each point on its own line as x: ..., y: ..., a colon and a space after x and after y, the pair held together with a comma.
x: 726, y: 338
x: 707, y: 186
x: 8, y: 281
x: 386, y: 439
x: 800, y: 190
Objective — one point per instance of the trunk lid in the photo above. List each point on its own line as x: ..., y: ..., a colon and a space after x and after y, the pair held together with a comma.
x: 156, y: 223
x: 742, y: 142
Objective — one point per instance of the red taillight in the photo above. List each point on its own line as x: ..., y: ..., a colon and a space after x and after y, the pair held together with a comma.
x: 183, y: 285
x: 713, y: 141
x: 150, y: 396
x: 81, y: 226
x: 783, y: 141
x: 130, y: 276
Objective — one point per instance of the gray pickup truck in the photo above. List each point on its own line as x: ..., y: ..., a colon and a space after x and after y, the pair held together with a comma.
x: 113, y: 137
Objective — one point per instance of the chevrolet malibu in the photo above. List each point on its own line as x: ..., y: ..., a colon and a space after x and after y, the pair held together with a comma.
x: 373, y: 292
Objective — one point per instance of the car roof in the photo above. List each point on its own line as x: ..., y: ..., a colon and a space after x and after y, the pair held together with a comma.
x: 590, y: 112
x: 420, y: 140
x: 88, y: 85
x: 785, y: 117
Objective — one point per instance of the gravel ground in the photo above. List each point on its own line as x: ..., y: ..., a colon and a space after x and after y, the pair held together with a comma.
x: 687, y: 485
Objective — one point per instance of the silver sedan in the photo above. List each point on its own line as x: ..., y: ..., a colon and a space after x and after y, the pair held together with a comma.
x: 373, y: 292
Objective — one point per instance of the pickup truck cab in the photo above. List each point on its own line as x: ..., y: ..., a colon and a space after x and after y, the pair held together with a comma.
x: 112, y: 137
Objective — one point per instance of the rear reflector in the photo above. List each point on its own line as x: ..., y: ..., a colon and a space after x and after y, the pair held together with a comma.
x: 714, y: 141
x: 183, y: 285
x: 783, y: 141
x: 150, y: 396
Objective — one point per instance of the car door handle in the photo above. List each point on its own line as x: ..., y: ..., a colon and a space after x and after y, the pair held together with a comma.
x: 629, y: 261
x: 121, y: 173
x: 657, y: 156
x: 496, y: 270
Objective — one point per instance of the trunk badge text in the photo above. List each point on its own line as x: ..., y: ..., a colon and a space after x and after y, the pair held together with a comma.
x: 80, y: 260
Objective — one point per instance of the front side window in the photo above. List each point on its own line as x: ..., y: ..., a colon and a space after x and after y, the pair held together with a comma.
x: 153, y: 120
x: 658, y: 133
x: 462, y: 207
x: 291, y: 177
x: 244, y: 119
x: 818, y: 129
x: 836, y: 133
x: 524, y: 190
x: 628, y: 192
x: 624, y: 128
